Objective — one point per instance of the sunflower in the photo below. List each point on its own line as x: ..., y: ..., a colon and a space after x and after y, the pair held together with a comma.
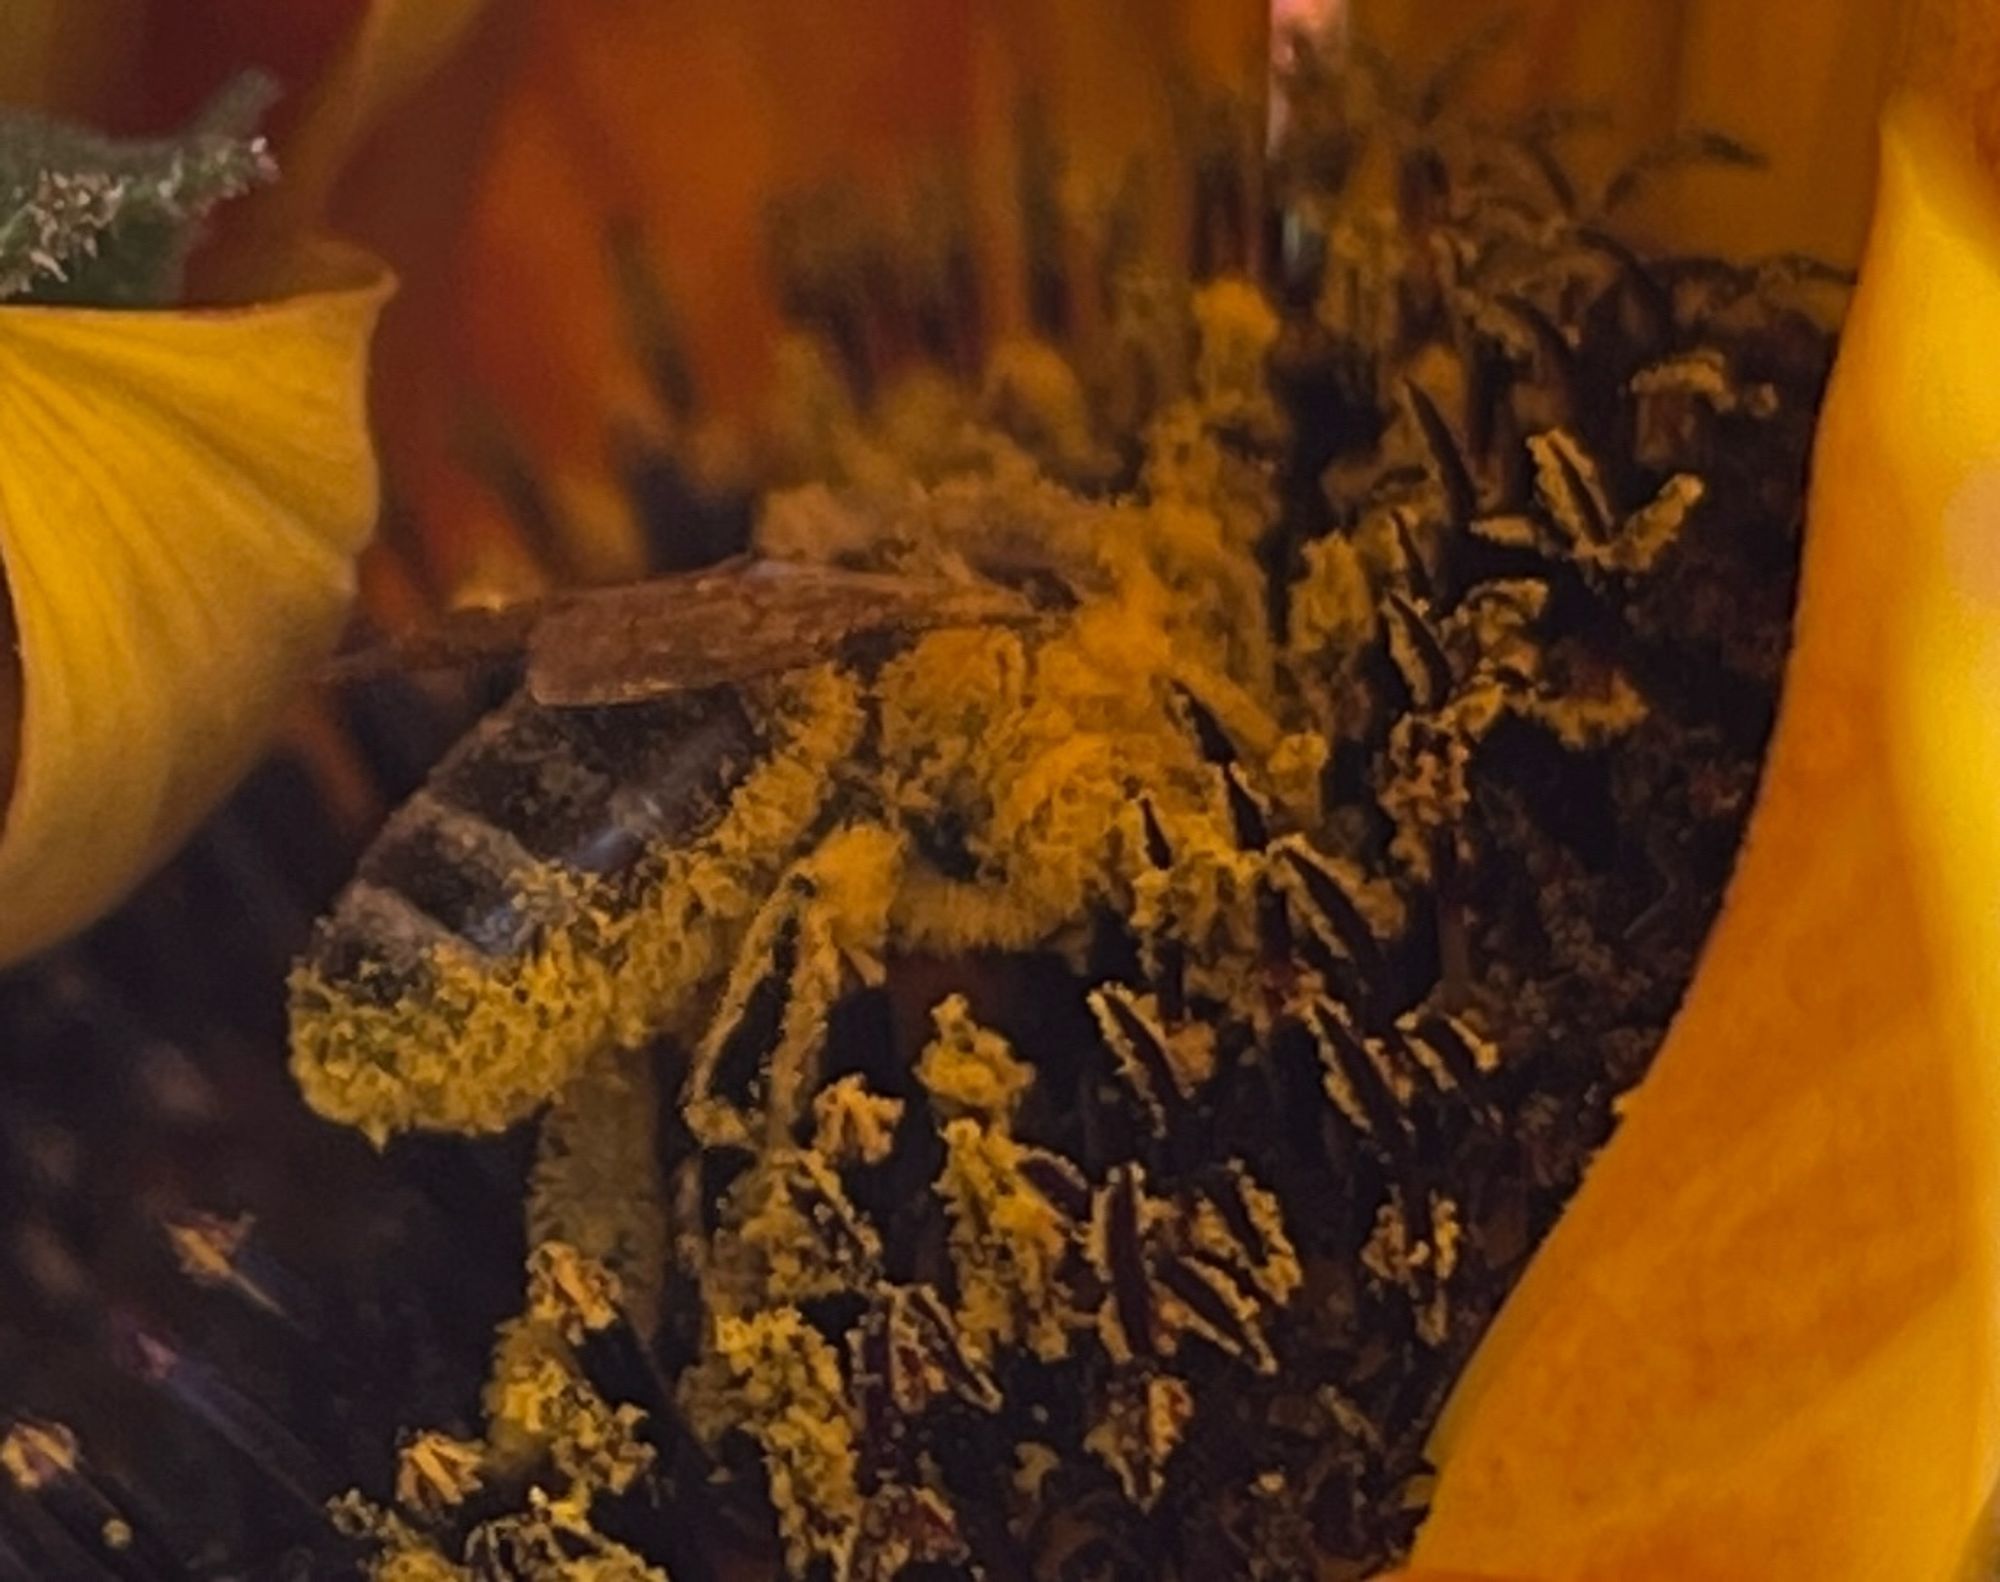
x: 1758, y: 1340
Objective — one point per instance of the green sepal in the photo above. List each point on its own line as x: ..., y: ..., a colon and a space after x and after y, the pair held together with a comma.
x: 109, y: 222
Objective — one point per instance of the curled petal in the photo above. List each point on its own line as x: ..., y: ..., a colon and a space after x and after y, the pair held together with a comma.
x: 181, y: 496
x: 1762, y: 1343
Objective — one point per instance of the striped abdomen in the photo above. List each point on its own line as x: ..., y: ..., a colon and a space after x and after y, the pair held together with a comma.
x: 493, y: 938
x: 530, y: 795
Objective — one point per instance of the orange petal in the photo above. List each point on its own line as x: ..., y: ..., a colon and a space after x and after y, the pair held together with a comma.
x: 1799, y: 80
x: 67, y: 57
x: 1444, y: 1576
x: 190, y: 48
x: 397, y: 45
x: 345, y: 64
x: 1763, y: 1341
x: 675, y: 126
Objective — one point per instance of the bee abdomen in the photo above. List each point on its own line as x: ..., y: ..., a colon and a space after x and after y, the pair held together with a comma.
x: 587, y: 789
x: 567, y: 881
x: 532, y: 807
x: 465, y: 872
x: 523, y: 772
x: 379, y: 946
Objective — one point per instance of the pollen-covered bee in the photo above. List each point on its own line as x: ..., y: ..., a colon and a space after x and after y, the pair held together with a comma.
x: 496, y: 928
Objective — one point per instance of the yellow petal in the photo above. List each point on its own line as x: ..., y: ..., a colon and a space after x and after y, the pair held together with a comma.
x: 181, y: 494
x: 1763, y: 1341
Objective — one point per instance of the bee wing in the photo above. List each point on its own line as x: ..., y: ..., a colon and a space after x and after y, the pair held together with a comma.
x: 465, y: 639
x: 733, y: 623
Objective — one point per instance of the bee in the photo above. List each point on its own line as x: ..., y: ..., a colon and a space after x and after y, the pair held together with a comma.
x: 509, y: 919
